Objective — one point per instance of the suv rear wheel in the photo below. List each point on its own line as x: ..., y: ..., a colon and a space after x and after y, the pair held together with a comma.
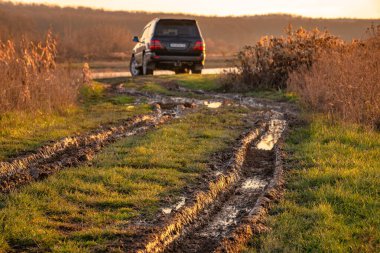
x: 147, y: 70
x: 197, y: 69
x: 135, y: 71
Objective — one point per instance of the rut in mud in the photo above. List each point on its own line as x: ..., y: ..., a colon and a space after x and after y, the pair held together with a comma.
x: 219, y: 216
x: 72, y: 151
x: 219, y: 222
x: 224, y: 216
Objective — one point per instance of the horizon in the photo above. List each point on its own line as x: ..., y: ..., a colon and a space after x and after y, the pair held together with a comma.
x: 234, y: 11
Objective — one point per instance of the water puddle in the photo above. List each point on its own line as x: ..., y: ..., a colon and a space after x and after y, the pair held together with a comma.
x: 237, y: 206
x: 213, y: 105
x: 180, y: 203
x: 176, y: 206
x: 166, y: 210
x: 218, y: 226
x: 276, y: 127
x: 253, y: 184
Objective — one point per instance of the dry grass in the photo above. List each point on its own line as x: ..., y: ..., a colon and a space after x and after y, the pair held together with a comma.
x: 30, y: 79
x: 329, y: 75
x: 267, y: 64
x: 344, y: 82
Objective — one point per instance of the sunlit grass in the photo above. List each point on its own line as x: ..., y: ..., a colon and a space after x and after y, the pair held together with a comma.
x: 199, y: 82
x: 332, y: 200
x: 88, y: 208
x: 24, y: 131
x: 156, y: 83
x: 279, y: 95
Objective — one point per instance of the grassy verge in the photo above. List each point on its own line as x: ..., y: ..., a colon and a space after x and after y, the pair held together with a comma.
x: 332, y: 201
x: 162, y: 85
x: 166, y: 84
x: 24, y: 131
x: 87, y: 208
x: 278, y: 96
x: 199, y: 82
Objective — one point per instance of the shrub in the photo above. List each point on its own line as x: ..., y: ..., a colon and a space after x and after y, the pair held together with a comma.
x: 30, y: 78
x: 344, y: 82
x: 267, y: 64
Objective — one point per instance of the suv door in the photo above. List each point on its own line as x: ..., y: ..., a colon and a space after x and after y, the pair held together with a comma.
x: 141, y: 46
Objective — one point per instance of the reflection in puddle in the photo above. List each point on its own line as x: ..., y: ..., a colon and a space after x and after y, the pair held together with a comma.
x: 253, y: 183
x: 180, y: 203
x: 176, y: 206
x: 212, y: 104
x: 222, y: 222
x: 275, y: 130
x: 166, y: 210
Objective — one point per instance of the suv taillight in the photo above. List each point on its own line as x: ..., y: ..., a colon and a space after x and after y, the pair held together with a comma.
x: 199, y: 46
x: 155, y: 45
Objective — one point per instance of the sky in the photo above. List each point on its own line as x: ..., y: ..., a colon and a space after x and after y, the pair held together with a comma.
x: 308, y: 8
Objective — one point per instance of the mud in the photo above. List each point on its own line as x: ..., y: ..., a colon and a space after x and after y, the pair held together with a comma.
x: 223, y: 219
x: 216, y: 218
x: 219, y: 214
x: 253, y: 223
x: 229, y: 204
x: 171, y: 229
x: 72, y: 151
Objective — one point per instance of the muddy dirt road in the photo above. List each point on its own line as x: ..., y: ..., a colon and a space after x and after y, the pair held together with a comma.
x: 232, y: 204
x: 231, y: 199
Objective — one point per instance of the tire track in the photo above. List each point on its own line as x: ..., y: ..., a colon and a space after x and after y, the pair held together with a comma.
x: 72, y: 151
x: 223, y: 217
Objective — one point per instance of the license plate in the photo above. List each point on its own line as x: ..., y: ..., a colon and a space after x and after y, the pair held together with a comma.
x: 178, y: 45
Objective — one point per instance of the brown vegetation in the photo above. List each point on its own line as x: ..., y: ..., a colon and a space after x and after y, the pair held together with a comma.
x: 30, y: 79
x: 344, y: 81
x: 268, y: 63
x: 97, y: 34
x: 329, y: 75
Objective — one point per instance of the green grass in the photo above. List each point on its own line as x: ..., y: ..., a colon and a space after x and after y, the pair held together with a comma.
x: 332, y: 200
x: 148, y: 84
x: 24, y: 131
x: 161, y: 84
x: 279, y: 96
x: 199, y: 82
x: 87, y: 208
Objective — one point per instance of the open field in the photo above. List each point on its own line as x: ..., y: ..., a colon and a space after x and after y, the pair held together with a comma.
x: 96, y: 204
x: 273, y: 147
x: 195, y: 171
x: 112, y: 31
x: 88, y: 207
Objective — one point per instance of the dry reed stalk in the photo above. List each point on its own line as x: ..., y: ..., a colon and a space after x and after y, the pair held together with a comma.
x: 267, y: 64
x: 344, y: 82
x: 30, y: 78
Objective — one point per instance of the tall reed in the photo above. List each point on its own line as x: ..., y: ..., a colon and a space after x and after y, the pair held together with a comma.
x: 31, y: 80
x: 344, y: 81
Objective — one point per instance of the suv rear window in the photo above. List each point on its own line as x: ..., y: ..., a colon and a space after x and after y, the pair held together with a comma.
x: 176, y: 28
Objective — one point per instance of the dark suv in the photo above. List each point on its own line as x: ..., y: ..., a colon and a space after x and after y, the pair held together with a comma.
x: 170, y: 44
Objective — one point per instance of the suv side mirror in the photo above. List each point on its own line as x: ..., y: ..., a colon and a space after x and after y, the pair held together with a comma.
x: 136, y: 39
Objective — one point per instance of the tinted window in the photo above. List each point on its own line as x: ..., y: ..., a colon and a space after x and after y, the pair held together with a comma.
x: 177, y: 28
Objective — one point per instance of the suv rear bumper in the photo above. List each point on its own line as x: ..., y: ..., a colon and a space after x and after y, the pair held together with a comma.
x: 175, y: 60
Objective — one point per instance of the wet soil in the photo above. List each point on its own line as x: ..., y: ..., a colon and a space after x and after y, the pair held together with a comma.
x: 73, y: 151
x: 218, y: 213
x: 229, y: 203
x: 217, y: 223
